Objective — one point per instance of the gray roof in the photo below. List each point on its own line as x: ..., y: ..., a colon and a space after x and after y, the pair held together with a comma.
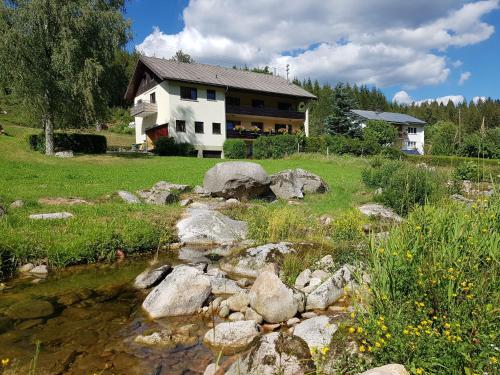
x: 399, y: 118
x: 225, y: 77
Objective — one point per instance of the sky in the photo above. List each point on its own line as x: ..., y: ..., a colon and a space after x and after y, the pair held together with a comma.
x: 413, y: 51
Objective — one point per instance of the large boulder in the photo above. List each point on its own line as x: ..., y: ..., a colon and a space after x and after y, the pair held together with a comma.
x: 30, y: 310
x: 329, y: 291
x: 242, y: 180
x: 204, y: 226
x: 294, y: 183
x: 254, y: 259
x: 272, y: 299
x: 392, y: 369
x: 232, y: 337
x: 182, y: 292
x: 222, y: 285
x: 275, y: 353
x: 317, y: 332
x: 151, y: 277
x: 380, y: 212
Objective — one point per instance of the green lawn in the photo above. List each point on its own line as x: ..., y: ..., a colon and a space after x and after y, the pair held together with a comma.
x: 97, y: 230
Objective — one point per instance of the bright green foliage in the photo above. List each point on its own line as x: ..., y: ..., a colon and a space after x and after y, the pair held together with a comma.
x: 118, y: 121
x: 181, y: 56
x: 347, y: 227
x: 441, y: 138
x: 436, y: 292
x: 342, y: 121
x: 275, y: 147
x: 467, y: 171
x: 476, y: 145
x: 380, y: 132
x: 235, y: 149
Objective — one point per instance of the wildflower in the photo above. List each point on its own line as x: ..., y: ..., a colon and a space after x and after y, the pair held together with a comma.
x: 369, y: 348
x: 352, y: 330
x: 384, y: 328
x: 447, y: 325
x: 493, y: 360
x: 325, y: 350
x: 409, y: 255
x: 360, y: 330
x: 388, y: 335
x: 314, y: 350
x: 352, y: 315
x: 381, y: 250
x: 406, y: 332
x: 418, y: 227
x: 5, y: 361
x: 377, y: 344
x: 362, y: 349
x: 419, y: 371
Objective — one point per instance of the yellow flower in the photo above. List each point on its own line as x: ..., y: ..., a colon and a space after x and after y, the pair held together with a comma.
x: 352, y: 330
x: 418, y: 227
x: 369, y: 348
x: 388, y: 335
x: 360, y: 330
x: 381, y: 250
x: 493, y: 360
x: 5, y: 361
x: 447, y: 325
x: 406, y: 332
x: 384, y: 328
x: 362, y: 348
x: 325, y: 350
x: 409, y: 255
x: 377, y: 344
x: 419, y: 371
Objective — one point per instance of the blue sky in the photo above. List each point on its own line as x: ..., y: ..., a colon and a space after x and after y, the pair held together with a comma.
x: 411, y: 50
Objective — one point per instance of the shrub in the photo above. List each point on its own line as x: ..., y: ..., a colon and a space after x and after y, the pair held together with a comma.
x: 348, y: 227
x: 316, y: 144
x: 488, y: 146
x: 275, y: 147
x: 392, y: 153
x: 165, y: 146
x: 435, y: 285
x: 78, y: 143
x: 468, y: 170
x: 122, y: 128
x: 440, y: 138
x: 380, y: 132
x: 235, y: 149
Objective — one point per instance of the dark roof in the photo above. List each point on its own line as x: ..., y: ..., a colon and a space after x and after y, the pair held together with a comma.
x: 220, y: 76
x: 399, y: 118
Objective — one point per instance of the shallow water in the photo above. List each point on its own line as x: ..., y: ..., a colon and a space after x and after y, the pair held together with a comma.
x: 96, y: 316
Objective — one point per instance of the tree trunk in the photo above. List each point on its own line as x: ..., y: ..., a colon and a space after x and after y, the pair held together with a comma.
x: 49, y: 136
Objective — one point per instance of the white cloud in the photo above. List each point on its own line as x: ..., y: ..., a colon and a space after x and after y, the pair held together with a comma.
x: 402, y: 97
x: 464, y: 77
x: 382, y: 42
x: 476, y: 99
x: 457, y: 64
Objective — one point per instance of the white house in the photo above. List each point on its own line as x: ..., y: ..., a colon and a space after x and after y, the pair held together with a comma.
x: 205, y: 105
x: 410, y: 129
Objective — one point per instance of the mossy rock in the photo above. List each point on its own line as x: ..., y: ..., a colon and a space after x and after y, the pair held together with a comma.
x: 30, y: 310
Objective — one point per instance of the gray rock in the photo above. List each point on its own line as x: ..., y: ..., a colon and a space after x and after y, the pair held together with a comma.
x: 160, y: 197
x: 303, y: 279
x: 462, y: 199
x: 392, y: 369
x: 232, y: 337
x: 202, y: 226
x: 329, y: 291
x: 40, y: 271
x: 128, y: 197
x: 378, y: 211
x: 309, y: 315
x: 151, y: 277
x: 211, y: 369
x: 251, y: 314
x: 30, y: 310
x: 238, y: 302
x: 242, y: 180
x: 222, y: 285
x: 293, y: 183
x: 292, y: 322
x: 26, y: 267
x: 272, y: 299
x: 320, y: 274
x: 224, y: 311
x: 254, y: 259
x: 182, y: 292
x: 236, y: 316
x: 316, y: 332
x: 300, y: 300
x: 311, y: 285
x: 200, y: 191
x: 326, y: 263
x: 17, y: 204
x: 168, y: 186
x: 243, y: 282
x: 51, y: 216
x: 64, y: 154
x: 185, y: 202
x: 275, y: 353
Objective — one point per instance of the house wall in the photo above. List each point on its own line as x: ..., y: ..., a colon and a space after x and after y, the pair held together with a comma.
x: 417, y: 138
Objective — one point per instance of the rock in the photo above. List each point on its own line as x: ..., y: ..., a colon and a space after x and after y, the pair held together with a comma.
x: 224, y: 311
x: 272, y: 299
x: 64, y: 154
x: 378, y: 211
x: 40, y: 271
x: 316, y: 332
x: 182, y: 292
x: 326, y: 263
x: 292, y: 322
x: 320, y: 274
x: 161, y: 338
x: 313, y: 284
x: 211, y: 369
x: 251, y: 314
x: 128, y: 197
x: 202, y: 226
x: 238, y: 302
x: 392, y: 369
x: 325, y: 220
x: 303, y: 279
x: 168, y: 186
x: 270, y: 327
x: 30, y: 310
x: 200, y: 191
x: 254, y: 259
x: 17, y: 204
x: 293, y: 183
x: 55, y: 215
x: 275, y: 353
x: 300, y: 300
x: 26, y: 267
x: 150, y: 278
x: 160, y: 197
x: 215, y: 272
x: 59, y: 201
x: 309, y: 315
x: 236, y: 316
x: 232, y: 337
x: 243, y: 282
x: 462, y: 199
x: 241, y: 180
x: 221, y: 285
x: 329, y: 291
x: 185, y: 202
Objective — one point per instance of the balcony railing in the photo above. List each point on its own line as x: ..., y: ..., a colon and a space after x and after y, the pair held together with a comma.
x: 143, y: 109
x: 264, y: 112
x: 248, y: 134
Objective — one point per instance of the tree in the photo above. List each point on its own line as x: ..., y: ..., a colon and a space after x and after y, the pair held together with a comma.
x: 380, y: 132
x: 342, y: 121
x: 441, y: 138
x: 55, y: 54
x: 183, y: 57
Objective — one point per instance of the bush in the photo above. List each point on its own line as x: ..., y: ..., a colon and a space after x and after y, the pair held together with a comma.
x: 477, y: 146
x: 275, y: 147
x: 380, y: 132
x: 435, y: 285
x: 165, y: 146
x: 467, y: 171
x: 348, y: 227
x: 392, y: 153
x: 235, y: 149
x: 78, y: 143
x: 121, y: 128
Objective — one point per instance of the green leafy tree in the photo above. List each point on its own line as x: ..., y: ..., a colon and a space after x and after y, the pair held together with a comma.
x: 441, y: 138
x: 342, y: 121
x: 380, y: 132
x: 183, y: 57
x: 55, y: 54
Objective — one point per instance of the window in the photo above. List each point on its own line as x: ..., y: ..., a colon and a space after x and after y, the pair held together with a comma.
x: 152, y: 97
x: 198, y: 127
x: 285, y: 106
x: 189, y: 93
x: 180, y: 126
x: 210, y: 94
x: 216, y: 128
x: 259, y: 125
x: 412, y: 130
x: 231, y: 100
x: 257, y: 103
x: 411, y: 144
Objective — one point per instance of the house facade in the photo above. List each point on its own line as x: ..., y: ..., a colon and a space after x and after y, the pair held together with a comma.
x: 204, y: 105
x: 410, y: 129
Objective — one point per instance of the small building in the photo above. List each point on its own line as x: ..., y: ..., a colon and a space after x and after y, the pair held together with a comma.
x: 204, y: 105
x: 410, y: 129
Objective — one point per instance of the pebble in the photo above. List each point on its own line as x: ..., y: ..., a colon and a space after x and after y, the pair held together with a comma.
x: 309, y: 314
x: 224, y: 311
x: 243, y: 282
x: 293, y: 321
x: 236, y: 316
x: 270, y: 327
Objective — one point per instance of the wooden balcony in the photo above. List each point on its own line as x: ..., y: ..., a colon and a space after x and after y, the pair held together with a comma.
x: 247, y: 134
x: 264, y: 112
x: 144, y: 109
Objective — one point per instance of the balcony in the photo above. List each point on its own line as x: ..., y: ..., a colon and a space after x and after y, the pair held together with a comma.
x: 264, y: 112
x: 143, y: 109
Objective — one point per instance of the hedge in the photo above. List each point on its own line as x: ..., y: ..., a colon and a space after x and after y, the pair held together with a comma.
x: 275, y: 147
x: 165, y: 146
x: 235, y: 149
x: 78, y: 143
